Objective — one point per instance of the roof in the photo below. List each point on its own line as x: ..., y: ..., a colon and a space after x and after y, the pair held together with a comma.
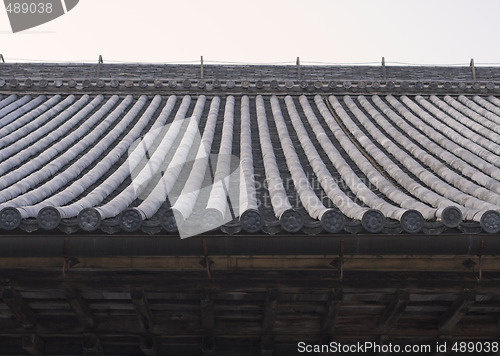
x: 155, y: 148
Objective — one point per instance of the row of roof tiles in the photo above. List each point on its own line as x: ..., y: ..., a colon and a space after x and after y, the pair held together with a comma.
x: 193, y: 164
x: 434, y: 86
x: 251, y: 72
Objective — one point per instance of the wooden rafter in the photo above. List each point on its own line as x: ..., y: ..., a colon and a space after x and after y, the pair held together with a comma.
x: 270, y: 311
x: 456, y: 311
x: 33, y: 344
x: 92, y: 345
x: 80, y: 308
x: 394, y: 311
x: 142, y: 309
x: 21, y: 310
x: 149, y: 345
x: 207, y: 324
x: 332, y: 311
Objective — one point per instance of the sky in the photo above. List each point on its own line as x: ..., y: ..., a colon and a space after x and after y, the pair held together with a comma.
x: 439, y: 32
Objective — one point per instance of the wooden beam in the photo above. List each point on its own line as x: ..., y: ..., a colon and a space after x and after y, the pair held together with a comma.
x: 80, y: 308
x: 21, y: 310
x: 92, y: 345
x: 333, y: 309
x: 393, y: 263
x: 270, y: 311
x: 149, y: 345
x: 457, y: 310
x: 33, y: 344
x: 394, y: 311
x: 207, y: 324
x: 142, y: 309
x: 289, y: 279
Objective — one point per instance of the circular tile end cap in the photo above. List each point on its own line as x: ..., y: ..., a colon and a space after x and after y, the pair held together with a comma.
x: 412, y: 221
x: 490, y: 221
x: 347, y: 84
x: 251, y: 221
x: 48, y: 218
x: 89, y: 219
x: 291, y: 221
x: 130, y: 220
x: 169, y: 222
x: 10, y: 219
x: 332, y: 221
x: 373, y: 221
x: 451, y: 217
x: 318, y: 84
x: 211, y: 219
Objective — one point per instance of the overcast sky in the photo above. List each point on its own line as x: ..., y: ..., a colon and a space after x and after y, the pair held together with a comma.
x: 264, y: 31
